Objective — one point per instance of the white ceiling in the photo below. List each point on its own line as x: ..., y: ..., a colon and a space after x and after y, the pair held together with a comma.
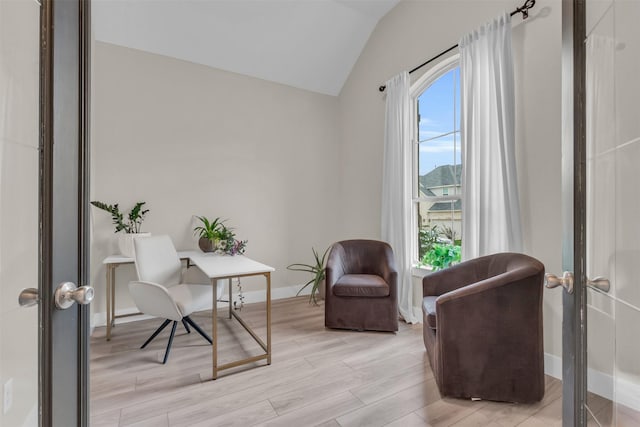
x: 308, y: 44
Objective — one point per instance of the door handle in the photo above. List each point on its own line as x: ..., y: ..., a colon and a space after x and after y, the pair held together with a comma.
x: 566, y: 281
x: 599, y: 283
x: 28, y: 297
x: 67, y: 293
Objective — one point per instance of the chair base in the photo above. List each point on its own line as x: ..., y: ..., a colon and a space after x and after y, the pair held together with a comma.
x: 185, y: 321
x: 365, y: 314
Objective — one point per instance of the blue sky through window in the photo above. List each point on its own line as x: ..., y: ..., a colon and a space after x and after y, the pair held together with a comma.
x: 439, y: 124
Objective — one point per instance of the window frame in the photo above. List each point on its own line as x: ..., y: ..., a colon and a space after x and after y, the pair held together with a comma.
x: 416, y: 89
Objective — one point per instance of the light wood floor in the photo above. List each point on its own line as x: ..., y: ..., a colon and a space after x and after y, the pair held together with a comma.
x: 318, y: 377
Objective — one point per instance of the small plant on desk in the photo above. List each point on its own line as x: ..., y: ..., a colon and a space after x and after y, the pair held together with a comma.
x: 132, y: 224
x: 215, y: 236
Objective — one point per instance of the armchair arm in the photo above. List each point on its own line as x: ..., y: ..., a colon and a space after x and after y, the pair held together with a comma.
x: 154, y: 299
x: 496, y: 309
x: 510, y: 278
x: 389, y: 272
x: 335, y: 268
x: 457, y: 276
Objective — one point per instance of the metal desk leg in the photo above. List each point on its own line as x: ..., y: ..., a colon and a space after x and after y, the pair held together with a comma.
x: 214, y: 313
x: 113, y: 296
x: 268, y: 276
x: 109, y: 274
x: 230, y: 296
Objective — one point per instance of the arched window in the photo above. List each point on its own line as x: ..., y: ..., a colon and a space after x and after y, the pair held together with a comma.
x: 437, y: 165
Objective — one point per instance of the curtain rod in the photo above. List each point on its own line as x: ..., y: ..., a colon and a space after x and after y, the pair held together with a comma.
x: 524, y: 9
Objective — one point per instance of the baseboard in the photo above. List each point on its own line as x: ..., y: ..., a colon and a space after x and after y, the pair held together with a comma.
x: 100, y: 319
x: 626, y: 392
x: 553, y: 366
x: 597, y: 382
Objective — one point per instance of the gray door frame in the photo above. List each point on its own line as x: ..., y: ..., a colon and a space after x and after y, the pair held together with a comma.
x: 574, y: 321
x: 63, y: 200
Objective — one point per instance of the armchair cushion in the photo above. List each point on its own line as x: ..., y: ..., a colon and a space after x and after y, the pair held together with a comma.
x: 429, y: 309
x: 361, y: 285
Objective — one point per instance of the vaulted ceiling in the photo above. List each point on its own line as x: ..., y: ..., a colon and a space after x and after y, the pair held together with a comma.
x: 308, y: 44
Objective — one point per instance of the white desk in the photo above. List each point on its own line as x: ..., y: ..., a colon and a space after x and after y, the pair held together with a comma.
x: 227, y: 267
x: 112, y: 262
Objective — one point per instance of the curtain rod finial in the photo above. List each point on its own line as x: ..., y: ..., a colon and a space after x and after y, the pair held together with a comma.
x: 525, y: 8
x: 382, y: 88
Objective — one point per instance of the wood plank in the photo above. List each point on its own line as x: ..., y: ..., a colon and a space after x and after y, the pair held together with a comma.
x: 161, y: 420
x: 245, y: 416
x: 391, y: 408
x: 410, y: 420
x: 319, y: 412
x: 447, y: 411
x: 106, y: 419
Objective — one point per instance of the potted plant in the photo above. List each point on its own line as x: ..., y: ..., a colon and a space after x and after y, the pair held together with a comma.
x: 318, y: 275
x: 131, y: 225
x: 215, y: 236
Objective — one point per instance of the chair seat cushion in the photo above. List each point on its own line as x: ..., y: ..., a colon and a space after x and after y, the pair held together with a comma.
x: 190, y: 298
x: 361, y: 285
x: 429, y: 310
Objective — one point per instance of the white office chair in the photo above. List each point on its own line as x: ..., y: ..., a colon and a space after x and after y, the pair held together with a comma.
x: 161, y: 291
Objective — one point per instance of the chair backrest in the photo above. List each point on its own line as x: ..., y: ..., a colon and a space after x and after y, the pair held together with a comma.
x: 500, y: 263
x: 157, y: 260
x: 364, y: 256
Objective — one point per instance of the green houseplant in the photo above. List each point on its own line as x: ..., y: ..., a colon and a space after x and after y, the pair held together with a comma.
x: 427, y: 238
x: 318, y: 276
x: 134, y: 220
x: 215, y: 236
x: 441, y: 256
x: 130, y: 224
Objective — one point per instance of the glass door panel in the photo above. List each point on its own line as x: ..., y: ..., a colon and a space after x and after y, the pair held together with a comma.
x: 19, y: 168
x: 600, y: 215
x: 626, y: 292
x: 613, y: 209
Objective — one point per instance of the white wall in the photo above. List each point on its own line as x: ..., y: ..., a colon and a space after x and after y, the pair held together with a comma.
x: 192, y: 140
x: 417, y: 30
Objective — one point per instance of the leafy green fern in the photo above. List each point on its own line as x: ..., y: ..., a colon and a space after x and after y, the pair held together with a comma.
x: 134, y: 220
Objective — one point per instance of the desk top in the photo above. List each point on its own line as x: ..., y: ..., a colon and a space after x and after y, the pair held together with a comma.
x: 121, y: 259
x: 212, y: 265
x: 220, y: 266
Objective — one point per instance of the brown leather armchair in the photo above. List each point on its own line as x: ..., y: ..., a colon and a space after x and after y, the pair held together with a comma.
x: 362, y: 289
x: 483, y: 328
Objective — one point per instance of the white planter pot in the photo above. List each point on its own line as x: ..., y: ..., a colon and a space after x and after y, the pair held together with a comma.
x: 125, y: 242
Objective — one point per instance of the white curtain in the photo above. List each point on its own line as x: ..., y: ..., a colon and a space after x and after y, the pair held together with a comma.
x: 490, y: 205
x: 396, y: 187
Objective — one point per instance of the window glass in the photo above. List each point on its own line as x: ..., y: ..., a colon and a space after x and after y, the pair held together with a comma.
x: 438, y: 204
x: 439, y: 163
x: 437, y: 106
